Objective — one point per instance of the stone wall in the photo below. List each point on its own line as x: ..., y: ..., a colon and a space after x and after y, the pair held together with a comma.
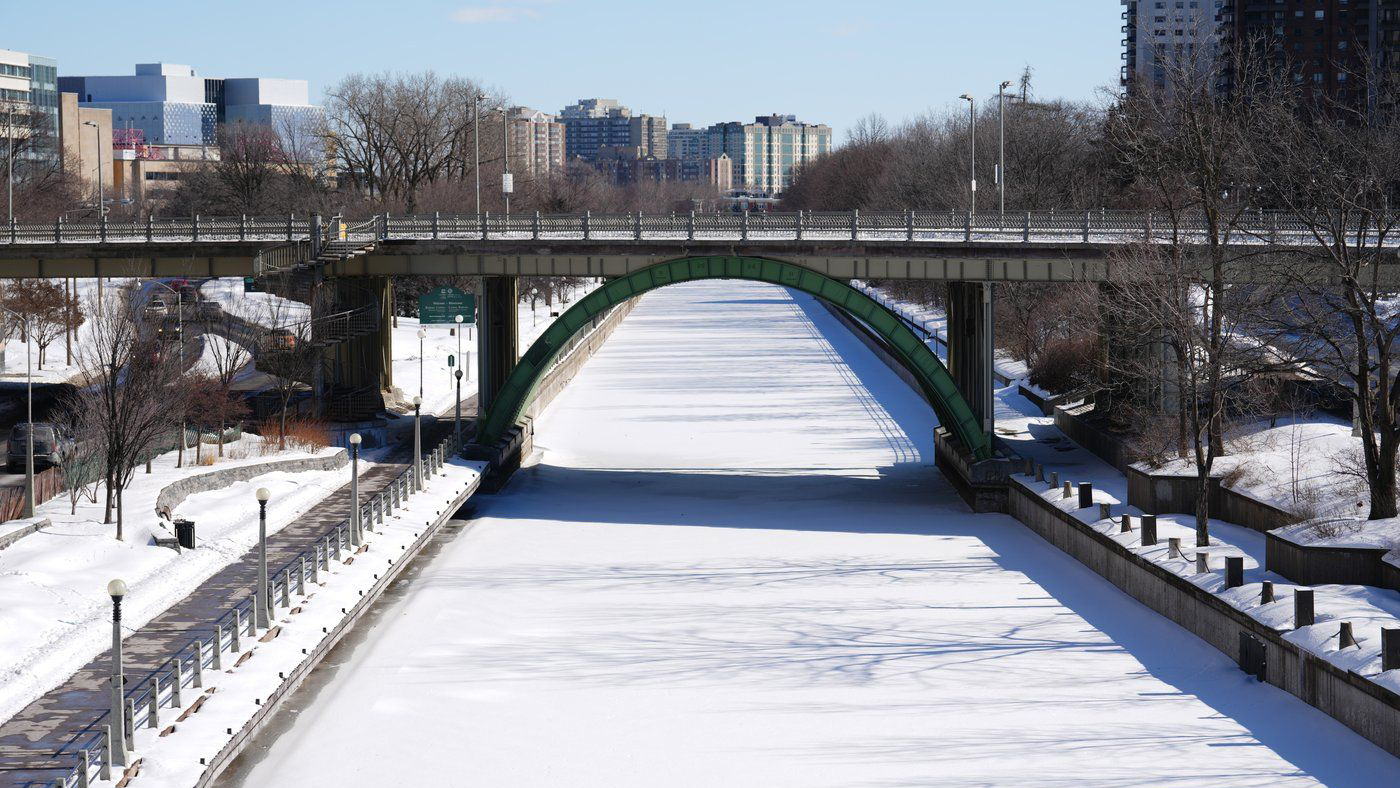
x: 174, y: 494
x: 1362, y: 705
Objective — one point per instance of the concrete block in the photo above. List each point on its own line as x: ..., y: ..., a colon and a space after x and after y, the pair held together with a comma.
x: 1068, y: 491
x: 1174, y: 547
x: 1266, y: 592
x: 1125, y: 525
x: 1054, y: 479
x: 1345, y: 638
x: 1202, y: 563
x: 1105, y: 510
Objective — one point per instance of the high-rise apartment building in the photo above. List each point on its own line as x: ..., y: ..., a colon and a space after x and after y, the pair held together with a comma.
x: 1327, y: 45
x: 766, y: 154
x: 170, y: 104
x: 687, y: 143
x: 1161, y: 34
x: 536, y: 142
x: 597, y: 123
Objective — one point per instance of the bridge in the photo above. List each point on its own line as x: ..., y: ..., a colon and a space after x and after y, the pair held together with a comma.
x: 343, y: 267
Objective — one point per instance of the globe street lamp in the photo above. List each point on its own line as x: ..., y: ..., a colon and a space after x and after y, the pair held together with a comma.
x: 422, y: 334
x: 261, y: 601
x: 418, y: 444
x: 356, y: 536
x: 117, y: 730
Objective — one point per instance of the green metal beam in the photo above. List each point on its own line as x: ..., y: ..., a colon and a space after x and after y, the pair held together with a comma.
x: 519, y: 389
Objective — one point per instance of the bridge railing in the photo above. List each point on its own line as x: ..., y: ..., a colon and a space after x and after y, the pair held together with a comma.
x: 1053, y: 226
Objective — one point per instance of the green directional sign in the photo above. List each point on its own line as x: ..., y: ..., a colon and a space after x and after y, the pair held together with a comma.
x: 444, y: 304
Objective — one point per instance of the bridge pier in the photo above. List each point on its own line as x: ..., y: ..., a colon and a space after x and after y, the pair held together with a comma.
x: 971, y: 347
x: 497, y: 337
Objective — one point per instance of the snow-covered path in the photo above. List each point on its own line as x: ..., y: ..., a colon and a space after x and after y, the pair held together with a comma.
x: 734, y: 565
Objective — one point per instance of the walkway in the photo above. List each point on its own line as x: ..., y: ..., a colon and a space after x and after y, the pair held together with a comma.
x: 29, y: 740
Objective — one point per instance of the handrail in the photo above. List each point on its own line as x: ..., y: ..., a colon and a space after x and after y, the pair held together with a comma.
x: 163, y: 687
x: 1051, y: 226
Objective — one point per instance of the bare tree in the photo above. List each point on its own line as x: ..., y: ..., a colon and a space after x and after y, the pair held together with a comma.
x: 228, y: 355
x: 132, y: 397
x: 47, y: 308
x: 285, y: 352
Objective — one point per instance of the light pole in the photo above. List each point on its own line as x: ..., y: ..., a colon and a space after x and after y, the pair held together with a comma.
x: 459, y: 408
x: 261, y: 599
x: 507, y: 186
x: 29, y: 418
x: 97, y: 146
x: 1001, y: 147
x: 10, y: 161
x: 476, y: 150
x: 180, y: 337
x: 422, y: 335
x: 355, y: 524
x: 972, y: 137
x: 418, y: 444
x: 117, y: 589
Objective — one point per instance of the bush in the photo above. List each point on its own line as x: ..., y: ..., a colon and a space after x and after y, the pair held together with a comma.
x: 306, y: 434
x: 1064, y: 364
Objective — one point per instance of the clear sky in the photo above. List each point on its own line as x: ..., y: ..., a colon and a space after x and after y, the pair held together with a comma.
x: 702, y: 61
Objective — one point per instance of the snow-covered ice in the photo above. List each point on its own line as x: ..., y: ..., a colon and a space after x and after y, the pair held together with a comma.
x: 733, y: 564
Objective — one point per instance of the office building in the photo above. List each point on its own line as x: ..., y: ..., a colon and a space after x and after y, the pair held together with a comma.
x: 171, y: 104
x: 28, y: 82
x: 1159, y: 35
x: 85, y: 145
x: 592, y: 124
x: 537, y: 142
x: 765, y: 154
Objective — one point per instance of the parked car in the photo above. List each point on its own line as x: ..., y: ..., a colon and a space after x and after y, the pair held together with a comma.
x: 208, y: 310
x: 51, y: 445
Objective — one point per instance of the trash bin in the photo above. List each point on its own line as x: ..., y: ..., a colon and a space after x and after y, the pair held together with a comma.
x: 184, y: 533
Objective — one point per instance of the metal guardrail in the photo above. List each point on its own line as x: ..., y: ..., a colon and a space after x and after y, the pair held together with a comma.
x: 1054, y: 226
x: 163, y: 688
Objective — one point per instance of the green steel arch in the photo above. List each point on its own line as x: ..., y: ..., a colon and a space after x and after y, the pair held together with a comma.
x: 519, y: 389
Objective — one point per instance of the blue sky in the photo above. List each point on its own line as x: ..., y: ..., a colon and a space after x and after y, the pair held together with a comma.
x: 699, y: 62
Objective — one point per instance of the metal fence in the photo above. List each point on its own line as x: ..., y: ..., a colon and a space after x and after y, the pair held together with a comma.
x: 1054, y: 226
x: 165, y: 687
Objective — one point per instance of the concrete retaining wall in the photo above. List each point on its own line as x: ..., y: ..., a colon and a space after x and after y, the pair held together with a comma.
x: 1323, y: 564
x: 1365, y: 707
x: 1108, y: 448
x: 573, y: 360
x: 1162, y: 493
x: 22, y: 531
x: 174, y: 494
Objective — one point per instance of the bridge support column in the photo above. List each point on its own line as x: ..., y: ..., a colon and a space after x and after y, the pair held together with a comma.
x: 971, y: 347
x: 497, y: 340
x: 385, y: 287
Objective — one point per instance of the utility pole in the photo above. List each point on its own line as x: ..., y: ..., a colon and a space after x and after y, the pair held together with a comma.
x: 972, y: 138
x: 1001, y: 145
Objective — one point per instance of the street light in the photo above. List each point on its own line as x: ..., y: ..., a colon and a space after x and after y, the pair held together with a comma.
x: 97, y: 146
x: 418, y: 444
x: 476, y: 151
x: 355, y: 524
x: 261, y: 600
x: 459, y: 408
x: 1001, y: 146
x: 180, y: 337
x: 422, y: 334
x: 117, y: 589
x: 972, y: 136
x: 10, y: 161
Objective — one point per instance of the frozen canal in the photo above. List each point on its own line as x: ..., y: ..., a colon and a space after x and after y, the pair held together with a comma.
x: 734, y: 565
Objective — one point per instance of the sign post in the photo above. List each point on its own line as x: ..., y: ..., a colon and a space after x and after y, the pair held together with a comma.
x: 444, y: 304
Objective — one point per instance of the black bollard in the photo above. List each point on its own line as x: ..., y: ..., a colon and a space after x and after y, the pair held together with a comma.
x: 1086, y: 495
x: 1149, y: 530
x: 1302, y: 608
x: 1390, y: 648
x: 1125, y: 525
x: 1266, y: 592
x: 1234, y: 571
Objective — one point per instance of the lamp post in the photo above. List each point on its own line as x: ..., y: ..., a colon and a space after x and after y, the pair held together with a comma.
x: 507, y: 186
x: 117, y: 589
x: 260, y: 595
x: 97, y: 147
x: 10, y: 162
x: 422, y: 334
x: 418, y: 444
x: 459, y: 408
x: 180, y: 337
x: 476, y: 150
x: 1001, y: 147
x: 972, y: 138
x: 356, y: 535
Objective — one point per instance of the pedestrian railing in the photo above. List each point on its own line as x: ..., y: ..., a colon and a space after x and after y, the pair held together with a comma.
x: 181, y: 677
x: 1053, y: 226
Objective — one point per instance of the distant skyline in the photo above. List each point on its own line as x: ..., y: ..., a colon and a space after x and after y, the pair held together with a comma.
x: 722, y: 60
